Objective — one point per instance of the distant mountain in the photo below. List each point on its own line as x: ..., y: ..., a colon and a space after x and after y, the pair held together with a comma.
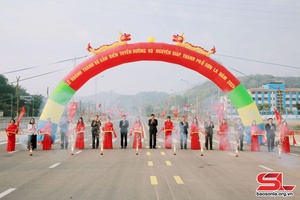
x: 201, y: 96
x: 122, y: 103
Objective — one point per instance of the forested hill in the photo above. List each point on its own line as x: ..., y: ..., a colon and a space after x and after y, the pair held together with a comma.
x: 257, y: 80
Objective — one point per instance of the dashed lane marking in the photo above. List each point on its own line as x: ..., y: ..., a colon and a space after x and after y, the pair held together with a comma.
x: 163, y: 153
x: 55, y: 165
x: 293, y: 154
x: 148, y: 154
x: 153, y: 180
x: 14, y: 151
x: 267, y: 168
x: 168, y: 163
x: 78, y: 152
x: 160, y: 140
x: 150, y: 163
x: 6, y: 192
x: 178, y: 180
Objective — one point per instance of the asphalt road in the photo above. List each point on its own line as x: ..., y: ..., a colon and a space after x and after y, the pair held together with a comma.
x: 152, y: 174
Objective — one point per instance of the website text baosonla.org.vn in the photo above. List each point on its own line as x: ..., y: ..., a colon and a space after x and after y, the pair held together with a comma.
x: 274, y: 194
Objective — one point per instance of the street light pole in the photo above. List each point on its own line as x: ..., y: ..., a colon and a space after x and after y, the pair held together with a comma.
x: 174, y: 97
x: 96, y: 78
x: 188, y: 101
x: 17, y: 95
x: 11, y: 105
x: 110, y: 100
x: 32, y: 106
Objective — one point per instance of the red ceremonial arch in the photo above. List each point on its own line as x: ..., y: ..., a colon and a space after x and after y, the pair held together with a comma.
x: 180, y: 52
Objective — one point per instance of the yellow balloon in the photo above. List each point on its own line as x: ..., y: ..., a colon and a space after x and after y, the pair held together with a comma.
x: 151, y: 39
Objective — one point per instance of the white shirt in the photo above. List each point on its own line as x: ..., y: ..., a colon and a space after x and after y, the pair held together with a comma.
x: 31, y: 129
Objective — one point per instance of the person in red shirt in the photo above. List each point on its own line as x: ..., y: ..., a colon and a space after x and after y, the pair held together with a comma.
x: 79, y: 130
x: 255, y: 132
x: 137, y: 130
x: 194, y: 132
x: 223, y: 134
x: 108, y: 129
x: 47, y: 131
x: 11, y: 131
x: 168, y: 128
x: 285, y: 132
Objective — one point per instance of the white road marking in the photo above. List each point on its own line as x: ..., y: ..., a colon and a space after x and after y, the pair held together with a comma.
x: 55, y: 165
x: 231, y: 154
x: 175, y: 140
x: 6, y: 192
x: 160, y: 140
x: 293, y: 154
x: 14, y: 151
x: 266, y: 168
x: 3, y: 143
x: 78, y: 152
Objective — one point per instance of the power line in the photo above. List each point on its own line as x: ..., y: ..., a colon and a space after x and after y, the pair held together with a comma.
x: 259, y: 61
x: 38, y: 75
x: 37, y: 66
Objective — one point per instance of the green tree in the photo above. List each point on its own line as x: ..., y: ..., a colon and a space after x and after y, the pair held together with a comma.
x: 8, y: 99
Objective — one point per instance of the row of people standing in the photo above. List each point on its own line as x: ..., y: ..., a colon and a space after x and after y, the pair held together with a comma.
x: 269, y: 133
x: 138, y: 132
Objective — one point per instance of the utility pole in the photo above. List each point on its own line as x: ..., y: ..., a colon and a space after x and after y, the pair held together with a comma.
x: 11, y: 105
x: 279, y: 101
x: 17, y: 95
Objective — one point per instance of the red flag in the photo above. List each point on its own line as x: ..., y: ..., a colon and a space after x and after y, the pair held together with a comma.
x: 89, y: 118
x: 278, y: 116
x: 186, y: 105
x: 82, y: 113
x: 175, y: 113
x: 219, y: 107
x: 72, y: 107
x: 21, y: 115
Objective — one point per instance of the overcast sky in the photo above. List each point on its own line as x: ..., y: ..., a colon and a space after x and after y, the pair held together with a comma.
x: 41, y: 32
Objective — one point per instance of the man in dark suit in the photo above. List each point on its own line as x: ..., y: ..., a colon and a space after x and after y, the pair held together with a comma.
x: 124, y: 130
x: 270, y: 129
x: 96, y: 124
x: 152, y: 123
x: 184, y: 126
